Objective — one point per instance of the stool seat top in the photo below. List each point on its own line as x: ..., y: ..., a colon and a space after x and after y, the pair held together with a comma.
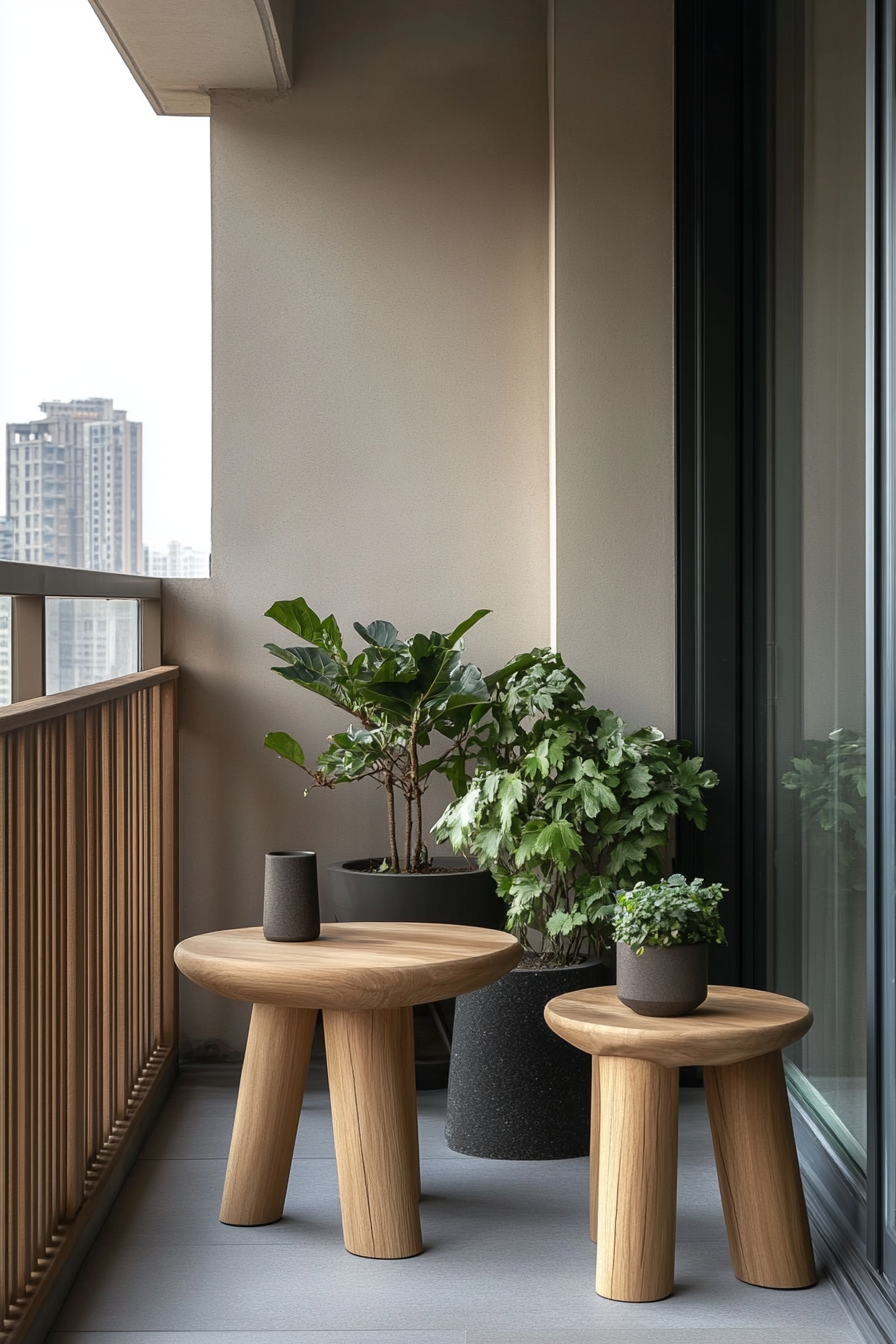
x: 351, y: 966
x: 732, y: 1025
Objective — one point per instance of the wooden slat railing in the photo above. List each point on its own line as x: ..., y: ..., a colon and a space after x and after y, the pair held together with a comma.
x: 88, y: 849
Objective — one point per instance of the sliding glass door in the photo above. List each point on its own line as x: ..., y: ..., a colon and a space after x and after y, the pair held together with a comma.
x: 816, y: 560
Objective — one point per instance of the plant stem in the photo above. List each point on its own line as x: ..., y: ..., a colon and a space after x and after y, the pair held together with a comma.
x: 414, y: 795
x: 408, y: 826
x: 418, y: 849
x: 393, y: 839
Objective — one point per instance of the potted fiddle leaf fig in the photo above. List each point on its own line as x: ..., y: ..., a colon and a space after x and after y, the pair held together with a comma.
x: 563, y: 808
x: 663, y: 932
x: 414, y: 706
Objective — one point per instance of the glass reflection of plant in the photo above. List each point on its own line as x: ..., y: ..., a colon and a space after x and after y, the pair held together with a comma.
x: 831, y: 781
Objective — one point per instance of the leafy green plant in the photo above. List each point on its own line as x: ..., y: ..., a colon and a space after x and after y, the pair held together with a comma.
x: 831, y: 781
x: 669, y: 913
x: 564, y: 805
x: 403, y: 693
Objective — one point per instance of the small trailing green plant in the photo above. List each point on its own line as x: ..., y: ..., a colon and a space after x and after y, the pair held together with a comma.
x: 831, y: 782
x: 403, y: 692
x: 564, y: 805
x: 670, y: 913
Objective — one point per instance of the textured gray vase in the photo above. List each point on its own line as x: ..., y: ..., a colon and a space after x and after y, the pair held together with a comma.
x: 291, y: 905
x: 515, y: 1090
x: 662, y: 981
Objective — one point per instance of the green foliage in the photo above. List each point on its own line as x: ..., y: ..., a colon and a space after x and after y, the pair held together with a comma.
x: 564, y: 805
x: 669, y: 913
x: 402, y: 692
x: 831, y: 783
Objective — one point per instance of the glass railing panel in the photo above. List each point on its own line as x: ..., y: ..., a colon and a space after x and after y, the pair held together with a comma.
x: 5, y: 650
x: 90, y: 640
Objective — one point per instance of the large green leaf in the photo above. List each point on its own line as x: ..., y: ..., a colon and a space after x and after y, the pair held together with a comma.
x: 315, y: 670
x: 382, y: 634
x: 298, y: 617
x: 460, y: 630
x: 519, y: 664
x: 287, y: 746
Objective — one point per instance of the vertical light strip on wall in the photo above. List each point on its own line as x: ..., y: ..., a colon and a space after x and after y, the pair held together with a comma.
x: 552, y: 336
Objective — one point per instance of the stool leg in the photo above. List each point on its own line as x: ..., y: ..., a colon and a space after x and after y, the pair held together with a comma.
x: 759, y: 1175
x: 370, y: 1060
x: 594, y: 1160
x: 267, y: 1114
x: 637, y: 1180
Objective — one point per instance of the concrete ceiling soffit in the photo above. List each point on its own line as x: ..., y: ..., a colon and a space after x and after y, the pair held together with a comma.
x: 179, y: 50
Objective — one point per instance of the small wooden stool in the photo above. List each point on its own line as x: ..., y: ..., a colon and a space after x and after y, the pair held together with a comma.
x: 737, y: 1035
x: 366, y: 978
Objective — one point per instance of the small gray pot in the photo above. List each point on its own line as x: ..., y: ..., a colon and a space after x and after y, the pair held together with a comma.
x: 662, y: 981
x: 291, y: 905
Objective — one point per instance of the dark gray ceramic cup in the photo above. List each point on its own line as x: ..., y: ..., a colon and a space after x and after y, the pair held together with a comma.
x: 291, y: 905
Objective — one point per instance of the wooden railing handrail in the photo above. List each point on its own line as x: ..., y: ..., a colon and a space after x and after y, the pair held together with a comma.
x: 43, y: 707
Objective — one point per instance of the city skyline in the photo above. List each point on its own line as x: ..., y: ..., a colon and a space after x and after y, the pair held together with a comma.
x: 110, y: 291
x: 74, y: 491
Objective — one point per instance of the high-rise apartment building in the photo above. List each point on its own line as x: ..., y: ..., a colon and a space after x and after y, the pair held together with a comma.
x: 74, y: 487
x: 177, y: 562
x: 6, y: 538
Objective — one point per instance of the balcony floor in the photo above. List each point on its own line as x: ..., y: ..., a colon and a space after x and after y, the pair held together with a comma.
x: 507, y: 1259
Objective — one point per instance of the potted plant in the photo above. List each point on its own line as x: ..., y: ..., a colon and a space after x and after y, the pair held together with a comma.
x: 663, y: 932
x: 417, y: 705
x: 564, y: 806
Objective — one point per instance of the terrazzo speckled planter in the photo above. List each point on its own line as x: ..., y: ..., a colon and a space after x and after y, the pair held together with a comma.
x: 662, y: 981
x: 515, y: 1090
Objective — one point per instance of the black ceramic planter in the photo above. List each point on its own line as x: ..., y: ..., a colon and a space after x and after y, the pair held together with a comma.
x: 464, y: 895
x: 516, y: 1090
x: 662, y: 981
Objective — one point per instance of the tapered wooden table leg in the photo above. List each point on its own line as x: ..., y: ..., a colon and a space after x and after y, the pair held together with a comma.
x: 594, y: 1160
x: 759, y: 1175
x: 370, y: 1060
x: 267, y: 1114
x: 637, y: 1178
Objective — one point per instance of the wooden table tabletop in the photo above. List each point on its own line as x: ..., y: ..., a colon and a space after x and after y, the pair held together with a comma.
x: 737, y: 1036
x: 366, y: 978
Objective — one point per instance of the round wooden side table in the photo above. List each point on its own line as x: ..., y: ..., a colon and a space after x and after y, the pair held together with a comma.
x: 737, y: 1035
x: 366, y: 978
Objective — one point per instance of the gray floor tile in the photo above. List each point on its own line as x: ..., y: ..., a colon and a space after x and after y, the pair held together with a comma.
x: 507, y: 1255
x: 736, y: 1335
x: 258, y: 1337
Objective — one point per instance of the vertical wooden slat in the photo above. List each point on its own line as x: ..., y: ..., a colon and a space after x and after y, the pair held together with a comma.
x: 155, y: 844
x: 122, y: 961
x: 76, y: 965
x: 168, y: 860
x: 7, y: 1229
x: 21, y: 1186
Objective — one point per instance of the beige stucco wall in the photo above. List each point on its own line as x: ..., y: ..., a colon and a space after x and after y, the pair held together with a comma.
x: 381, y: 390
x: 613, y: 153
x: 380, y: 404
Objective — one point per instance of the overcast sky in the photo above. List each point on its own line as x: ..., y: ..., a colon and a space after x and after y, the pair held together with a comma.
x: 104, y: 252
